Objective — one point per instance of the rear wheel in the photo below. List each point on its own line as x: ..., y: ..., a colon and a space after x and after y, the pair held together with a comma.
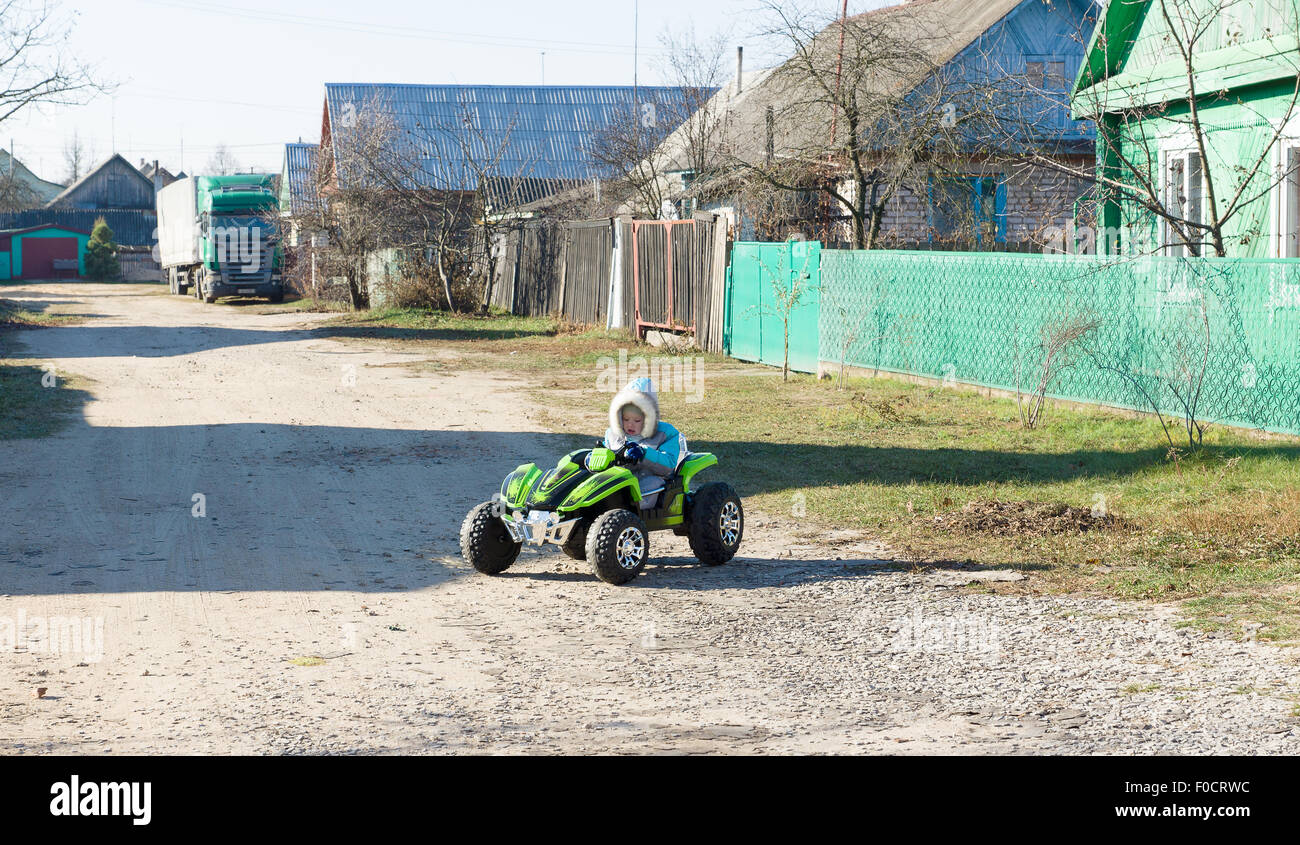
x: 484, y: 541
x: 717, y: 522
x: 618, y: 546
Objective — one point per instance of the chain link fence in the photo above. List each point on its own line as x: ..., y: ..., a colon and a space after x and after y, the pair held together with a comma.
x: 1213, y: 339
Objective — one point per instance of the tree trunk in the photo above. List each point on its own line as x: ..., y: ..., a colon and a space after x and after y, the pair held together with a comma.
x: 446, y: 283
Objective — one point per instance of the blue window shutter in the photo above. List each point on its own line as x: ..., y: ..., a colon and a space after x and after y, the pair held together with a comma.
x: 1000, y: 211
x: 929, y: 210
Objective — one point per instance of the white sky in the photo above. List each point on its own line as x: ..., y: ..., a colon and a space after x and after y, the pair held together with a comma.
x: 250, y: 73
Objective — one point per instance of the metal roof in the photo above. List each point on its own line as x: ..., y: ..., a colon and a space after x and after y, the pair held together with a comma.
x: 130, y: 227
x: 547, y: 130
x: 299, y: 164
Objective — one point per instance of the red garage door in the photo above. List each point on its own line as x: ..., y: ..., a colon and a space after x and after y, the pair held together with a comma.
x: 39, y: 255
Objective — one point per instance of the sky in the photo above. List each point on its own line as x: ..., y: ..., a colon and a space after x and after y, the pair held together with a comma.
x: 190, y: 75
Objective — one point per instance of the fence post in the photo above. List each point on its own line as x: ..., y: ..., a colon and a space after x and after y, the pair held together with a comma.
x: 614, y: 316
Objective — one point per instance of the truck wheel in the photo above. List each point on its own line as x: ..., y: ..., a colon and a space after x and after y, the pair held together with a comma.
x: 717, y: 522
x: 277, y: 297
x: 209, y: 296
x: 618, y: 546
x: 485, y: 543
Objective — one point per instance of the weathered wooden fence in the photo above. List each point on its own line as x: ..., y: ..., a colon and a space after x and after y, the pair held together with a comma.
x: 638, y: 275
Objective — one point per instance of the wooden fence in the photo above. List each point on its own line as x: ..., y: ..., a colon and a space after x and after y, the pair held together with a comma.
x: 638, y: 275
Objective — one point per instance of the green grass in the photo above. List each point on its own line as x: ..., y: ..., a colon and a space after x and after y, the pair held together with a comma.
x: 1135, y: 689
x: 35, y: 400
x: 13, y: 314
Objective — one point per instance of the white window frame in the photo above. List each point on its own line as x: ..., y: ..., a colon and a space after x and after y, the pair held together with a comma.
x: 1284, y: 198
x: 1180, y: 148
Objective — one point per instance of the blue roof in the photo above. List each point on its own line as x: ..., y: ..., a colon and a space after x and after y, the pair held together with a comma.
x: 299, y: 163
x: 548, y: 130
x: 131, y: 227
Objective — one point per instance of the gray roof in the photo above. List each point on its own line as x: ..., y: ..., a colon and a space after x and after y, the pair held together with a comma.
x: 299, y: 164
x: 547, y: 131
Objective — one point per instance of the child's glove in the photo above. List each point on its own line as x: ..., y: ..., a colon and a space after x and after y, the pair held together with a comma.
x: 633, y: 453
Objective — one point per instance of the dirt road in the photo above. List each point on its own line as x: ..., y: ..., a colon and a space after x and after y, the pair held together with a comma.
x: 262, y: 522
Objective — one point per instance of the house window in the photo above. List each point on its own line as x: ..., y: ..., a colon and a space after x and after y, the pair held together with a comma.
x: 1045, y: 73
x: 1184, y: 191
x: 968, y: 209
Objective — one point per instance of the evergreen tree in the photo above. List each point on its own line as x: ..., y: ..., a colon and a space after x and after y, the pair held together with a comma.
x: 101, y: 253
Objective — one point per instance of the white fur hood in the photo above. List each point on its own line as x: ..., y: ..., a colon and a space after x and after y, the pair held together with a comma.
x: 641, y: 393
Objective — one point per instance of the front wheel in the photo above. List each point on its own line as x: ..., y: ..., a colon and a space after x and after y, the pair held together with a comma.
x: 484, y: 541
x: 717, y: 522
x: 618, y: 546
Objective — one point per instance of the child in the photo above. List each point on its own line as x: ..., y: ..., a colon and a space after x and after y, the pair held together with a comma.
x: 655, y: 448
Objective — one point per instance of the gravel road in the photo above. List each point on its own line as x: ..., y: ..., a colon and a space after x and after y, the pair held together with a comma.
x: 254, y: 528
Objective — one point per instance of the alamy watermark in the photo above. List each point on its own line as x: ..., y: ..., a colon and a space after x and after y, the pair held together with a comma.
x: 670, y: 373
x: 957, y: 632
x: 82, y: 635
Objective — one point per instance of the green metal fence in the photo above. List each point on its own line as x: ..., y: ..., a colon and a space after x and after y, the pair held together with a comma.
x: 1221, y: 336
x: 765, y: 282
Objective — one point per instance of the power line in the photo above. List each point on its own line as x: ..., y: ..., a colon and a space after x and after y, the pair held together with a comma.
x: 403, y: 31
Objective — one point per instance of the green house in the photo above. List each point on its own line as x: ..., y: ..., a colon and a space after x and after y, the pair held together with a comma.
x: 1198, y: 126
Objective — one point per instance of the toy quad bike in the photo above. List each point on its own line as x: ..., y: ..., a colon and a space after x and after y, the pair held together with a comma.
x: 590, y: 505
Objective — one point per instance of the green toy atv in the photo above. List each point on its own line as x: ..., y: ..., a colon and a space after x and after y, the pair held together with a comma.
x: 590, y: 505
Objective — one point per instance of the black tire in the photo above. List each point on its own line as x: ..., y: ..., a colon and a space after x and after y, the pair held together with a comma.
x: 614, y: 532
x: 717, y: 523
x: 484, y: 541
x: 576, y: 546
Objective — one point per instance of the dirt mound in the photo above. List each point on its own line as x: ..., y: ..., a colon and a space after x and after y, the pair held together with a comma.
x: 1026, y: 518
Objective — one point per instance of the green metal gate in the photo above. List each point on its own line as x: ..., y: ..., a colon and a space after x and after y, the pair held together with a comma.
x: 765, y: 281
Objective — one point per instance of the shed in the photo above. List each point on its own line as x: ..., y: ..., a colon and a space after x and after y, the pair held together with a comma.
x: 30, y: 253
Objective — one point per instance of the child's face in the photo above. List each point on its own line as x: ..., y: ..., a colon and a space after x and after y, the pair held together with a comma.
x: 632, y: 423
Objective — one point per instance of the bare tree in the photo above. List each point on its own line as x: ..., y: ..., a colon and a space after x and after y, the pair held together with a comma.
x: 222, y: 162
x: 660, y: 149
x: 438, y: 190
x: 36, y: 67
x: 790, y: 288
x: 860, y: 111
x: 347, y: 208
x: 1054, y: 355
x: 15, y: 194
x: 75, y: 158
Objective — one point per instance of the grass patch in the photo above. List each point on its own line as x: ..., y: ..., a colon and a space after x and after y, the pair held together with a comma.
x: 308, y: 661
x: 1136, y: 689
x: 35, y: 401
x: 16, y: 315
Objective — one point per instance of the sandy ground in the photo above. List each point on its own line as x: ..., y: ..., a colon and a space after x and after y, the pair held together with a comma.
x: 241, y: 495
